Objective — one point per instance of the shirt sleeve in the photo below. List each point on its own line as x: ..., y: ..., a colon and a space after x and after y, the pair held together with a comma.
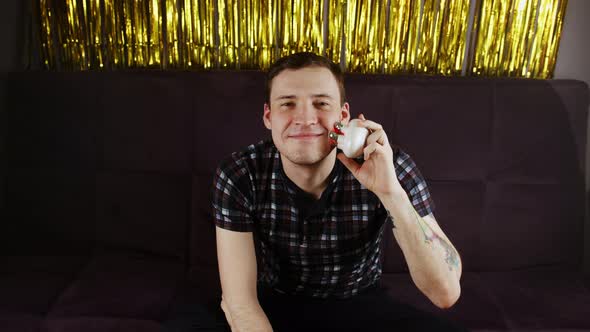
x: 414, y: 184
x: 232, y: 205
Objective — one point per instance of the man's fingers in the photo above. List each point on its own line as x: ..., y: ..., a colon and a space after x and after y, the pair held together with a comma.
x: 370, y: 125
x: 378, y: 136
x: 377, y: 132
x: 372, y: 148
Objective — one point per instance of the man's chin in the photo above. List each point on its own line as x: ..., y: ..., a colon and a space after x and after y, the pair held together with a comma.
x: 304, y: 160
x: 305, y: 157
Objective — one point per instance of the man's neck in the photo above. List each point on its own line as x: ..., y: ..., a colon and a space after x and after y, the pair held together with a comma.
x: 313, y: 179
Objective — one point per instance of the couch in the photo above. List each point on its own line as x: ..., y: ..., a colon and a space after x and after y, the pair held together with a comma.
x: 106, y: 179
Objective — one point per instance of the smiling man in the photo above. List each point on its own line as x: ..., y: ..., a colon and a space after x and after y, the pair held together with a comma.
x: 317, y: 219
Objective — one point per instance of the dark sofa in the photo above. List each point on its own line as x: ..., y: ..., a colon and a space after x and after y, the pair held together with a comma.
x: 105, y: 199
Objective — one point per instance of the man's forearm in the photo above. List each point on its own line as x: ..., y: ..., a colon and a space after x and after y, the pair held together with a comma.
x: 246, y: 317
x: 434, y: 264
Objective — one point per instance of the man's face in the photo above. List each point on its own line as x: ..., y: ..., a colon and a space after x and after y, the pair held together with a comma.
x: 304, y: 105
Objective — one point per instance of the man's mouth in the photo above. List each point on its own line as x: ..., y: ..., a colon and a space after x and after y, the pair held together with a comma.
x: 306, y: 137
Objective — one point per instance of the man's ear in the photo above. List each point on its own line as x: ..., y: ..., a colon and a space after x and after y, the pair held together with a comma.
x: 266, y: 116
x: 345, y: 113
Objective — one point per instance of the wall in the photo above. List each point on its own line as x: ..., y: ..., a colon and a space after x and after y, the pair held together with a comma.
x: 11, y: 35
x: 572, y: 62
x: 11, y: 23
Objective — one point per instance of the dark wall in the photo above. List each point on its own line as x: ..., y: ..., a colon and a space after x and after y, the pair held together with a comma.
x: 2, y: 145
x: 12, y: 43
x: 12, y: 35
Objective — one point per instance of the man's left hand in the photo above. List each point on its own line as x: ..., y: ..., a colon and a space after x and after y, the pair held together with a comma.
x: 377, y: 173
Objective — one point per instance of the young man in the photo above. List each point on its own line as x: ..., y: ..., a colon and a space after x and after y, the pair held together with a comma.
x: 317, y: 218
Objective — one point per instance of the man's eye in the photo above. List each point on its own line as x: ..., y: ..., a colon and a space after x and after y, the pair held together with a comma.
x: 322, y: 104
x: 288, y: 104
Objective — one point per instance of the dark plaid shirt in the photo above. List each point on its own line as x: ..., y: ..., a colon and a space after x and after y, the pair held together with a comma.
x: 321, y: 248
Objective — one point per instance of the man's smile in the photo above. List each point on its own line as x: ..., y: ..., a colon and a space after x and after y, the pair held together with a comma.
x: 306, y: 137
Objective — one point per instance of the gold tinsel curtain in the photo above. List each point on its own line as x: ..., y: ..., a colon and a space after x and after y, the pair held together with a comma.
x: 516, y: 38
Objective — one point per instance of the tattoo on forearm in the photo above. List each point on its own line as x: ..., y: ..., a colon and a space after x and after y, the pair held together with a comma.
x: 451, y: 255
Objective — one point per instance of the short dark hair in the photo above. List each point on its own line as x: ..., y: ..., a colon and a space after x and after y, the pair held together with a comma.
x: 303, y: 60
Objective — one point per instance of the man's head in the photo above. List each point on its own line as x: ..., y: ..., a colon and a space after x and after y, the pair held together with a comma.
x: 304, y: 98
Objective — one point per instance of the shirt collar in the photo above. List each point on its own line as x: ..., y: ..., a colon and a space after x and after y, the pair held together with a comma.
x: 293, y: 189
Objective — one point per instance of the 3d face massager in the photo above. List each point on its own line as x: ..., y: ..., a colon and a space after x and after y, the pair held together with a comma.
x: 350, y: 139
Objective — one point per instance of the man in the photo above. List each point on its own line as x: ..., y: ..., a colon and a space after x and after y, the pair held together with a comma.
x: 317, y: 218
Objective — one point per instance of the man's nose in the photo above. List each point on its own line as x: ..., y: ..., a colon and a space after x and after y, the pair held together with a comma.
x: 306, y: 114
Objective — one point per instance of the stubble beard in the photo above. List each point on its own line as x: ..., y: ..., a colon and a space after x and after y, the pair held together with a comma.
x: 301, y: 155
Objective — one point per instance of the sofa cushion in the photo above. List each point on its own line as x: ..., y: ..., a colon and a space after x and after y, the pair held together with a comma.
x: 49, y: 211
x: 474, y: 309
x: 458, y: 211
x: 228, y: 116
x: 52, y: 121
x: 375, y: 99
x: 143, y: 211
x: 445, y: 126
x: 543, y: 152
x: 99, y: 324
x: 530, y: 224
x: 20, y: 322
x: 30, y: 284
x: 534, y: 181
x: 551, y: 298
x: 541, y: 297
x: 145, y: 122
x: 205, y: 282
x: 196, y: 303
x: 202, y: 245
x: 117, y: 284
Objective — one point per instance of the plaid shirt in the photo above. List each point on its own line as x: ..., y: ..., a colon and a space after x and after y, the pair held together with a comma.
x: 325, y: 248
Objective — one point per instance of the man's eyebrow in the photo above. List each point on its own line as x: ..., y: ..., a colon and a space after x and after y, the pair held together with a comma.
x: 319, y: 95
x: 286, y: 97
x: 323, y: 95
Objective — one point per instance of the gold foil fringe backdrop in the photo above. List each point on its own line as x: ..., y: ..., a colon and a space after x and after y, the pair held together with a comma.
x: 515, y: 38
x: 531, y: 31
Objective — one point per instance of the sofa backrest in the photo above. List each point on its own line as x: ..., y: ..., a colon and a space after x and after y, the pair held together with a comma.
x: 126, y: 159
x: 98, y: 160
